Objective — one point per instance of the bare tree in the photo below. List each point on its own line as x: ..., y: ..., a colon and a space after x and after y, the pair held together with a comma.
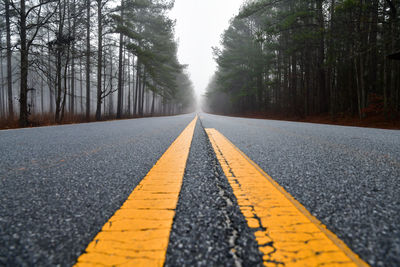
x: 9, y: 52
x: 72, y: 96
x: 87, y: 59
x: 100, y: 5
x: 120, y: 69
x: 32, y: 14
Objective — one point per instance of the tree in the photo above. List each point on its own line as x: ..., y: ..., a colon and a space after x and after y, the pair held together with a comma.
x: 53, y: 38
x: 88, y: 2
x: 100, y: 5
x: 32, y: 14
x: 310, y: 57
x: 121, y: 39
x: 9, y: 54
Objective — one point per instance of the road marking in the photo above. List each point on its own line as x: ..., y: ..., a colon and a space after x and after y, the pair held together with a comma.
x: 138, y: 233
x: 287, y: 234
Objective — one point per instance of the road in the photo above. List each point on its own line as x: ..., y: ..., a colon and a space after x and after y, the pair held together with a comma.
x: 347, y: 177
x: 60, y: 185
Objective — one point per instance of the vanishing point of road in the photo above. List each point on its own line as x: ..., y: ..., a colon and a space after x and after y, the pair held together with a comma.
x: 199, y: 190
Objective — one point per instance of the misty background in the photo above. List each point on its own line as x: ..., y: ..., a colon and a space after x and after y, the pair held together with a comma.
x: 82, y: 60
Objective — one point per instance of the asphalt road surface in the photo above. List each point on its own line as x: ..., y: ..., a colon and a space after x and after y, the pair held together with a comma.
x: 59, y: 185
x: 348, y: 177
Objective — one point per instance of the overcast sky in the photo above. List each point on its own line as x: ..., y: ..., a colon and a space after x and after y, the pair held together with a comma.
x: 199, y: 25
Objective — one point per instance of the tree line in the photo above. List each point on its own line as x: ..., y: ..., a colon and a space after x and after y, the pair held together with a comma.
x: 108, y: 58
x: 309, y: 57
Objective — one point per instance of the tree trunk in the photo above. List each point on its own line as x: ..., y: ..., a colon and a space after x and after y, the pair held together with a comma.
x: 134, y: 66
x: 137, y: 93
x: 72, y: 96
x: 81, y: 84
x: 59, y: 50
x: 359, y: 85
x: 65, y: 86
x: 41, y: 87
x: 279, y: 86
x: 293, y: 89
x: 104, y: 82
x: 99, y: 58
x: 119, y: 104
x: 111, y: 99
x: 23, y: 111
x: 324, y: 100
x: 331, y: 89
x: 87, y: 60
x: 59, y: 86
x: 2, y: 87
x: 9, y: 52
x: 142, y: 94
x: 129, y: 86
x: 50, y: 82
x: 152, y: 103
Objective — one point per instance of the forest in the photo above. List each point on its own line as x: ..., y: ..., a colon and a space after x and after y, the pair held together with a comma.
x: 309, y: 57
x: 85, y: 60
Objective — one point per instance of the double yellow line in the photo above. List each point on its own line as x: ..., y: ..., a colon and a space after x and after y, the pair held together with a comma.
x: 138, y: 233
x: 287, y: 234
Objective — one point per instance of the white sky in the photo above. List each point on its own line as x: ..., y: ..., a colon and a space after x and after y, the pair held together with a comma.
x: 199, y: 25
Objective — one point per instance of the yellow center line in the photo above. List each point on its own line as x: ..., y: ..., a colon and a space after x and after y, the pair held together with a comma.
x: 138, y: 233
x: 287, y: 234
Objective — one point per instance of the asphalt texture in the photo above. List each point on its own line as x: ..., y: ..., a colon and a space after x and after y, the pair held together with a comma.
x: 208, y: 228
x: 348, y: 177
x: 59, y: 185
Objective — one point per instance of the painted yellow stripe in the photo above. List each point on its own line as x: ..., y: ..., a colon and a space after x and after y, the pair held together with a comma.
x: 138, y: 233
x: 287, y: 234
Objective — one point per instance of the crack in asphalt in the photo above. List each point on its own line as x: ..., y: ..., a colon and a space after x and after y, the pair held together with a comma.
x: 234, y: 233
x: 208, y: 228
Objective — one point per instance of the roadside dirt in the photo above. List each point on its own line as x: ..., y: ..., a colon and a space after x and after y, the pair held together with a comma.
x: 48, y: 120
x: 372, y: 121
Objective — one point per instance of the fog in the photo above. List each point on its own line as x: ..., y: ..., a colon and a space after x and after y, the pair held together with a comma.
x: 199, y: 25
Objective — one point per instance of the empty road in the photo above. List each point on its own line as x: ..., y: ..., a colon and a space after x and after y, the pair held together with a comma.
x: 64, y: 189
